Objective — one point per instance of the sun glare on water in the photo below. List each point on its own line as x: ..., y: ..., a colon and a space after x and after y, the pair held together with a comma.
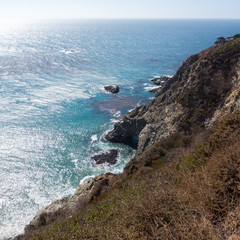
x: 7, y: 25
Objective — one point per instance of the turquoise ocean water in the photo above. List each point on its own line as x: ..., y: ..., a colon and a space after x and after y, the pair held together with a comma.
x: 54, y: 111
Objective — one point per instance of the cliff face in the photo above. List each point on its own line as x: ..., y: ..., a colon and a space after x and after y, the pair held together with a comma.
x: 204, y: 88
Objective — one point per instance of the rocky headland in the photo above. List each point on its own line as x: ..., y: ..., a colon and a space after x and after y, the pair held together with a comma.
x: 204, y: 88
x: 167, y: 188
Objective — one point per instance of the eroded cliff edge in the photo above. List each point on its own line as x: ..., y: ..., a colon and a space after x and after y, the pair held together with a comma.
x: 205, y: 87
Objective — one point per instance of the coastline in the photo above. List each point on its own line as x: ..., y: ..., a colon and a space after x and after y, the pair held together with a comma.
x: 59, y: 206
x: 89, y: 188
x: 43, y: 138
x: 183, y: 115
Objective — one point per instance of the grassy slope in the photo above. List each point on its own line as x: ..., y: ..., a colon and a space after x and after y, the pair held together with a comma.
x: 190, y: 191
x: 183, y: 187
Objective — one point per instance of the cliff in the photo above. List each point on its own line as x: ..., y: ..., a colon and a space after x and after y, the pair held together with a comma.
x: 167, y: 191
x: 204, y: 88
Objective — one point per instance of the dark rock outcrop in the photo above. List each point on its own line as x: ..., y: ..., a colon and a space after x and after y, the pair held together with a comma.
x: 220, y: 40
x: 128, y: 129
x: 204, y: 88
x: 108, y: 157
x: 112, y: 89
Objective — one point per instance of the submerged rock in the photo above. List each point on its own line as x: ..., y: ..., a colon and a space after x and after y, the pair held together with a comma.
x: 112, y: 89
x: 108, y: 157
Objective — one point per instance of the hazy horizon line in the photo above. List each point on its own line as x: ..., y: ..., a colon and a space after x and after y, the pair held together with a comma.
x: 16, y: 21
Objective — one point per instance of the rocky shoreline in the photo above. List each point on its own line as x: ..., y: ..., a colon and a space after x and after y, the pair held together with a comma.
x: 192, y: 99
x: 205, y: 88
x: 65, y: 207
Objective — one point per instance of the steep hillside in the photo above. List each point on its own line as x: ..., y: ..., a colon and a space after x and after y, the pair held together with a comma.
x: 189, y: 190
x: 167, y: 191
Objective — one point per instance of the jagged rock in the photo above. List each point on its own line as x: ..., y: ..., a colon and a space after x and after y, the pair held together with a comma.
x: 160, y: 80
x: 206, y: 86
x: 108, y: 157
x: 112, y: 89
x: 128, y: 129
x: 66, y: 206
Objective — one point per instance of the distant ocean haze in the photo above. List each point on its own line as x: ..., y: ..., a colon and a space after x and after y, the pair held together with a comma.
x: 54, y: 111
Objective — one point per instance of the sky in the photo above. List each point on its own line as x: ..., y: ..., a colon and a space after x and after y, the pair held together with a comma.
x: 17, y: 10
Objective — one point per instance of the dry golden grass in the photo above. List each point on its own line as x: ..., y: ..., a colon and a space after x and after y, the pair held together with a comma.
x: 201, y: 202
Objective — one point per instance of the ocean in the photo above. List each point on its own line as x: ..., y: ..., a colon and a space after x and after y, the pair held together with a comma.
x: 54, y: 111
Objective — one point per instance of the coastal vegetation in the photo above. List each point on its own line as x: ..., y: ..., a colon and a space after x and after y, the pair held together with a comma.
x: 184, y: 182
x: 190, y: 190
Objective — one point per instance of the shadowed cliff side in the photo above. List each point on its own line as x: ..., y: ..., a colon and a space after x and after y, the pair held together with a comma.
x: 205, y: 84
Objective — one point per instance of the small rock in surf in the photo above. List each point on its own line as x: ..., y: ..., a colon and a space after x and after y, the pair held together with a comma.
x: 112, y: 89
x: 108, y: 157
